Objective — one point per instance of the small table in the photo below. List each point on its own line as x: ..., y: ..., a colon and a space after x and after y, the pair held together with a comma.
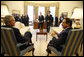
x: 41, y: 33
x: 36, y: 25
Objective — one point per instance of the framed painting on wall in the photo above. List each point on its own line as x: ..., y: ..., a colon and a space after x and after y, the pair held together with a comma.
x: 65, y: 14
x: 15, y: 12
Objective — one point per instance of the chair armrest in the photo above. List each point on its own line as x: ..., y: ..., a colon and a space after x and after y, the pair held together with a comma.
x: 20, y: 44
x: 63, y: 46
x: 54, y: 50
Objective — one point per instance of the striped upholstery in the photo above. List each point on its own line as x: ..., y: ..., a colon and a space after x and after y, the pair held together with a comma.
x: 9, y: 43
x: 72, y: 43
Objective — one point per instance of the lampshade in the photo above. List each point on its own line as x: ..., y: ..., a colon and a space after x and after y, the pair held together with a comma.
x: 4, y: 11
x: 78, y: 13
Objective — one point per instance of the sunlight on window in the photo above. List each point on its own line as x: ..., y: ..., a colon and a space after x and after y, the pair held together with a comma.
x: 30, y: 12
x: 41, y: 9
x: 52, y: 9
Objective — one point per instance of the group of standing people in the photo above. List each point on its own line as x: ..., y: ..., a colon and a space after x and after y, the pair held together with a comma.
x: 48, y: 19
x: 23, y: 19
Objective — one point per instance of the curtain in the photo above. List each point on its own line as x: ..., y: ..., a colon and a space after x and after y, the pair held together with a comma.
x: 47, y: 8
x: 36, y: 11
x: 25, y: 10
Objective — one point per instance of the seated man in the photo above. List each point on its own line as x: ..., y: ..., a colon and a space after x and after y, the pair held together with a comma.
x: 62, y: 36
x: 10, y: 23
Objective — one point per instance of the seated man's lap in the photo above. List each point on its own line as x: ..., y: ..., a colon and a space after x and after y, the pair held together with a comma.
x: 54, y: 44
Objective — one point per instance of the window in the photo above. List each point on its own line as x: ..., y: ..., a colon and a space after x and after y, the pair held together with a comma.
x: 30, y: 13
x: 52, y: 9
x: 41, y: 9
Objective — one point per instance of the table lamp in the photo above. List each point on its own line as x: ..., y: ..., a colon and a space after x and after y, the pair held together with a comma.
x: 78, y: 15
x: 4, y: 12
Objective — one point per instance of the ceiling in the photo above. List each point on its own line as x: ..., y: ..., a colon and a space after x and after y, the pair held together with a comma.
x: 43, y: 1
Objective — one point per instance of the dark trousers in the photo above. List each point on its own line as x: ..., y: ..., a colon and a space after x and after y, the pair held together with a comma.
x: 41, y: 25
x: 27, y: 37
x: 48, y: 26
x: 56, y: 23
x: 53, y: 44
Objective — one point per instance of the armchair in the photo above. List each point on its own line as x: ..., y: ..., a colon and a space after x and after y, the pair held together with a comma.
x: 71, y: 46
x: 9, y: 44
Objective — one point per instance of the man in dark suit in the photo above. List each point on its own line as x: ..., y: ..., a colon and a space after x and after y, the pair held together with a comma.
x: 26, y: 20
x: 66, y: 23
x: 56, y: 21
x: 41, y: 20
x: 48, y: 19
x: 17, y: 17
x: 61, y: 17
x: 22, y: 19
x: 51, y: 21
x: 10, y: 22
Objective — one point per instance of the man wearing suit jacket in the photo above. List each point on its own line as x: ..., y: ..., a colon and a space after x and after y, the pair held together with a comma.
x: 56, y: 21
x: 26, y: 20
x: 62, y: 36
x: 10, y: 22
x: 41, y: 20
x: 61, y: 17
x: 49, y: 20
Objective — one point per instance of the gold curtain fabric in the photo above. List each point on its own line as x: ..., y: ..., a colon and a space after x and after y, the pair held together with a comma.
x: 57, y: 11
x: 46, y: 10
x: 25, y: 9
x: 36, y: 11
x: 47, y: 7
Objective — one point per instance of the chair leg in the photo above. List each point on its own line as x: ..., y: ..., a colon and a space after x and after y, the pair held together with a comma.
x: 77, y: 54
x: 81, y: 46
x: 33, y: 51
x: 2, y: 54
x: 48, y: 54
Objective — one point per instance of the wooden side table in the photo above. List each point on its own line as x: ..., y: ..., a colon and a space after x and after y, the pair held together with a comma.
x: 36, y: 24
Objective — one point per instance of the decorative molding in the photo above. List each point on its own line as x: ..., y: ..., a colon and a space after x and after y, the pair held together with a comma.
x: 41, y: 4
x: 46, y: 5
x: 15, y: 11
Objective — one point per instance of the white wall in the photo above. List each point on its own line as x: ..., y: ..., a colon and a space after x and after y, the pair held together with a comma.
x: 15, y: 5
x: 67, y: 6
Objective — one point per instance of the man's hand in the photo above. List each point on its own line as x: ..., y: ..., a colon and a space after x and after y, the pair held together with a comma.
x: 54, y: 33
